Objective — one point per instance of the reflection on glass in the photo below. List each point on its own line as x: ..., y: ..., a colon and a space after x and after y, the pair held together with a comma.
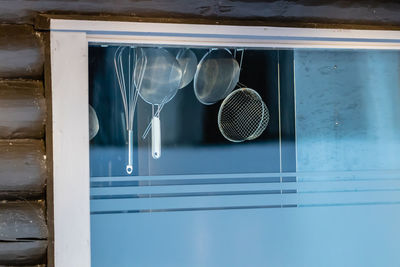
x: 319, y: 187
x: 191, y: 140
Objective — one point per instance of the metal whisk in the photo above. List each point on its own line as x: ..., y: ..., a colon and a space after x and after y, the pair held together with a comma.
x: 126, y: 61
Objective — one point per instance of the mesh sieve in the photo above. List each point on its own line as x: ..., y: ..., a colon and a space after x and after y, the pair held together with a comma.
x: 243, y: 115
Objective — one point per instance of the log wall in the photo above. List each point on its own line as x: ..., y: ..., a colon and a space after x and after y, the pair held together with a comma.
x: 23, y: 233
x: 23, y: 170
x: 21, y: 52
x: 369, y: 12
x: 22, y: 109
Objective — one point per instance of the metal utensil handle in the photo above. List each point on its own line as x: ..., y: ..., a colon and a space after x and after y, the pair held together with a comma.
x: 129, y: 166
x: 156, y: 137
x: 146, y: 132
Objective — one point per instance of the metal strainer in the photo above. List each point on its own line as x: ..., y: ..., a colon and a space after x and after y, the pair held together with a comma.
x: 216, y: 76
x: 243, y: 115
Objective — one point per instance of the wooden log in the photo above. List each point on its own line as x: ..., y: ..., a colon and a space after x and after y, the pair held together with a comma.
x: 23, y: 233
x: 21, y: 52
x: 22, y: 169
x: 23, y: 252
x: 22, y: 221
x: 326, y: 11
x: 22, y: 109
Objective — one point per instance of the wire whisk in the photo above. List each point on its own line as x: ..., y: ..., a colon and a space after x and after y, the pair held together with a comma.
x: 126, y: 61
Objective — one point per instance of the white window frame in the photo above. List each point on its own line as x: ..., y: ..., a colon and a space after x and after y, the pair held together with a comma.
x: 69, y: 42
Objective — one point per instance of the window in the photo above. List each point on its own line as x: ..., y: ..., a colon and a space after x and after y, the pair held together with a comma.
x: 310, y: 190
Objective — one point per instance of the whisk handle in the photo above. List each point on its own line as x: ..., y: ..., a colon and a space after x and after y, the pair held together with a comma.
x: 129, y: 166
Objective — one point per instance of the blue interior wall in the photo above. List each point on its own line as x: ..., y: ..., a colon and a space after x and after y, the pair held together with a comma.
x: 347, y: 110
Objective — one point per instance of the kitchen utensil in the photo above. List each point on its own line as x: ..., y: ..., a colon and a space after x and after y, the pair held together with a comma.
x: 243, y: 115
x: 128, y: 64
x: 188, y: 62
x: 162, y: 76
x: 216, y: 76
x: 93, y: 123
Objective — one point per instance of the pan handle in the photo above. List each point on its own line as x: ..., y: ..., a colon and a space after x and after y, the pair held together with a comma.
x: 155, y: 137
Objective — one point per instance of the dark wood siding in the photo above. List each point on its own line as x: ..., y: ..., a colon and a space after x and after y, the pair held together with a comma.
x: 23, y: 172
x: 322, y: 11
x: 22, y: 109
x: 21, y: 52
x: 22, y: 169
x: 23, y: 233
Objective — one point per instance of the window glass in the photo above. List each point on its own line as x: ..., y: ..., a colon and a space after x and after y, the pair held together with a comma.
x: 315, y: 183
x: 191, y: 140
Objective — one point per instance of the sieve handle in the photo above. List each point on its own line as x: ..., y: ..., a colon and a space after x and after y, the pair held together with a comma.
x: 146, y: 132
x: 129, y: 166
x: 155, y: 137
